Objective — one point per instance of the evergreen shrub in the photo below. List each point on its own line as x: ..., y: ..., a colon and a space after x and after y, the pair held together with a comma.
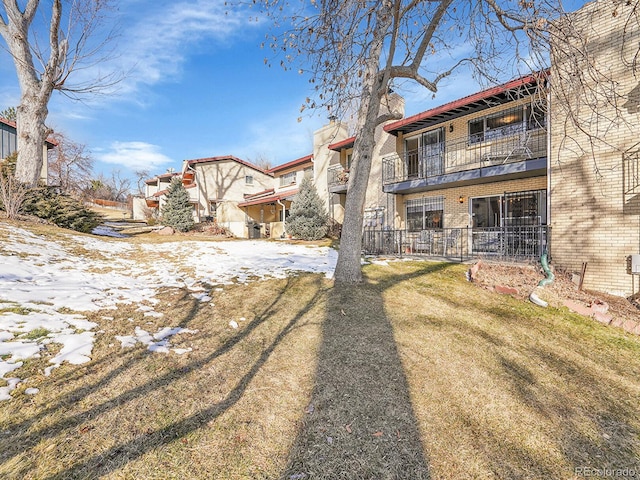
x: 62, y: 210
x: 177, y: 212
x: 307, y: 218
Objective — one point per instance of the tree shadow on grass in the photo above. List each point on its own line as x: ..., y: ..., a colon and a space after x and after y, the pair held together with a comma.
x: 360, y: 422
x: 534, y: 398
x: 190, y: 307
x: 114, y: 458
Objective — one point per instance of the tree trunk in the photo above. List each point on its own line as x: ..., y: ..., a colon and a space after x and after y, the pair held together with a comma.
x: 32, y: 133
x: 348, y: 268
x: 36, y: 90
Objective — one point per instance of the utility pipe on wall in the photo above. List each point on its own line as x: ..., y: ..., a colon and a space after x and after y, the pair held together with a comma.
x: 284, y: 211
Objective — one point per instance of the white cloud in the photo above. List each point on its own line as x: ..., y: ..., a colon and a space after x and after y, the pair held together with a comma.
x: 155, y: 48
x: 134, y: 156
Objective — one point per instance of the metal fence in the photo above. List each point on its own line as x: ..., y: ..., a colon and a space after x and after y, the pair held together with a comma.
x: 515, y: 243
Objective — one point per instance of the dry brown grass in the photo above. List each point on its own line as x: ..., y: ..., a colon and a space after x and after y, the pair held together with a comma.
x: 416, y: 374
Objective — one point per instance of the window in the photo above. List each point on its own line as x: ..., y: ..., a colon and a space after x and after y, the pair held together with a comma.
x: 424, y: 154
x: 287, y: 179
x: 511, y: 209
x: 526, y: 208
x: 486, y: 212
x: 501, y: 124
x: 349, y: 160
x: 248, y: 179
x: 476, y: 130
x: 286, y: 215
x: 423, y: 213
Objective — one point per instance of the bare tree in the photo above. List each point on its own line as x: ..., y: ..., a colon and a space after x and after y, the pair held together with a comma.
x: 120, y: 186
x: 69, y: 46
x: 261, y: 160
x: 359, y: 50
x: 115, y: 188
x: 141, y: 176
x: 592, y: 101
x: 71, y: 165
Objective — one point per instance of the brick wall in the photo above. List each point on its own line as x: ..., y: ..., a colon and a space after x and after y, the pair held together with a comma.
x: 593, y: 218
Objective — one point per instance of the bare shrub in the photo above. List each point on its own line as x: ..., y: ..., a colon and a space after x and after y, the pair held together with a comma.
x: 12, y: 192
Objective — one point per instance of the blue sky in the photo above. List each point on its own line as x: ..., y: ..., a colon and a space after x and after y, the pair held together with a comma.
x: 197, y: 87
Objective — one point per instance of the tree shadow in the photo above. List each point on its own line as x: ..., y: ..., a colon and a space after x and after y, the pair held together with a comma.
x: 115, y: 457
x: 535, y: 399
x: 126, y: 359
x: 360, y: 422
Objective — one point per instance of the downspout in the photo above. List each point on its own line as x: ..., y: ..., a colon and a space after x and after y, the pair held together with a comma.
x: 549, y: 153
x: 542, y: 283
x: 195, y: 180
x: 544, y: 259
x: 284, y: 211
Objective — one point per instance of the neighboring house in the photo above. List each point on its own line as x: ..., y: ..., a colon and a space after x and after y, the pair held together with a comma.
x: 268, y: 209
x: 9, y: 144
x: 217, y: 185
x: 595, y: 168
x: 156, y: 189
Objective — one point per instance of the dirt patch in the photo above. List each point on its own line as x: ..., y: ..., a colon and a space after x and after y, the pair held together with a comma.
x: 502, y: 277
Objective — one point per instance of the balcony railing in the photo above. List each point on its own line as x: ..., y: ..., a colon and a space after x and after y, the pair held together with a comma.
x: 467, y: 154
x: 337, y: 176
x: 516, y: 243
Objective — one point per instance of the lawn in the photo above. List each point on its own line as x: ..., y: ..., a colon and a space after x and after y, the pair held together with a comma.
x: 415, y: 374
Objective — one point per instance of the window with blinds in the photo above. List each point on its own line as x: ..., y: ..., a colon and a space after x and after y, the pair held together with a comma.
x: 424, y: 213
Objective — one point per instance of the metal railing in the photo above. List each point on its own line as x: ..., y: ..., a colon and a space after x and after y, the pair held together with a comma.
x: 514, y: 243
x: 466, y: 154
x: 449, y: 243
x: 337, y: 176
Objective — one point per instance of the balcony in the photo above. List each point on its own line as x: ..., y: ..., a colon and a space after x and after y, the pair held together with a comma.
x: 503, y: 153
x: 337, y: 178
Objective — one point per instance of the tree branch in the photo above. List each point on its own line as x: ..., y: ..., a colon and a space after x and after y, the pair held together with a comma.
x: 428, y: 34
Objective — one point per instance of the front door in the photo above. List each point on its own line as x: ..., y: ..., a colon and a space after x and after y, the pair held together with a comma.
x: 411, y: 157
x: 432, y: 152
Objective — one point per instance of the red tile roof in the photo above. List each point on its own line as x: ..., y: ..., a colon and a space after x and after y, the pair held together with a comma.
x: 273, y: 198
x: 11, y: 123
x: 292, y: 163
x: 50, y: 140
x: 346, y: 143
x: 227, y: 157
x: 259, y: 194
x: 162, y: 175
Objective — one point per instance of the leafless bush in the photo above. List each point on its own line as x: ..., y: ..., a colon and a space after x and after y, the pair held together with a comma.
x: 12, y: 192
